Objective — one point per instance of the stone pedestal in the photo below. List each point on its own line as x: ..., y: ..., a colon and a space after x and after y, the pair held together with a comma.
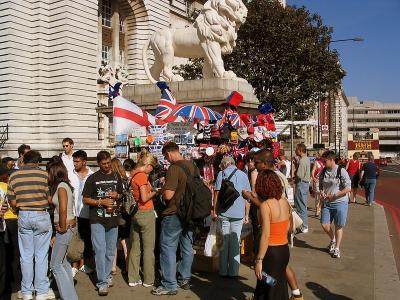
x: 205, y: 92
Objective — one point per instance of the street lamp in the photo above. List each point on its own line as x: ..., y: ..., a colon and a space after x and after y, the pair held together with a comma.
x: 354, y: 39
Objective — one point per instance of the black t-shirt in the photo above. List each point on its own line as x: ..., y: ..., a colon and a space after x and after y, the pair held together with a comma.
x: 370, y: 170
x: 97, y: 186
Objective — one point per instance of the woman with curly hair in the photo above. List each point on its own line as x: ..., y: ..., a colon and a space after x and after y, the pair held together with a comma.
x: 273, y: 252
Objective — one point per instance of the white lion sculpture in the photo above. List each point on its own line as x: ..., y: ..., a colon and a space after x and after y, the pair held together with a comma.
x: 212, y: 35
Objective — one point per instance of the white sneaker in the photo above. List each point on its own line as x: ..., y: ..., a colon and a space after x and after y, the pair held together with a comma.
x: 331, y: 247
x: 147, y: 285
x: 49, y: 296
x: 24, y: 297
x: 85, y: 269
x: 304, y: 230
x: 74, y: 272
x: 336, y: 253
x: 133, y: 284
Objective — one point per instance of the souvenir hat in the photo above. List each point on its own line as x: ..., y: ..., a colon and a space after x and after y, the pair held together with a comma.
x: 234, y: 99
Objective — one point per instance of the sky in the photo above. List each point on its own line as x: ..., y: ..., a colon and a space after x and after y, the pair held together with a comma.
x: 372, y: 66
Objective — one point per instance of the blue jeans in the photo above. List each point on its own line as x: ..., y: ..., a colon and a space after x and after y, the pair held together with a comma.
x: 104, y: 242
x: 34, y: 234
x: 229, y: 256
x: 61, y: 267
x: 173, y: 234
x: 369, y: 187
x: 300, y: 201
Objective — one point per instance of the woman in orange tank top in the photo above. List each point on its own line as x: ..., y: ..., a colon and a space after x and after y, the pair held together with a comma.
x: 273, y: 252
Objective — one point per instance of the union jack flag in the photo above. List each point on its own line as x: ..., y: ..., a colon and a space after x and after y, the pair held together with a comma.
x: 232, y: 117
x: 167, y: 104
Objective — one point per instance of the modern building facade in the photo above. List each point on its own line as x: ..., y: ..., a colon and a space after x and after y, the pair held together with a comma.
x: 374, y: 116
x: 55, y: 55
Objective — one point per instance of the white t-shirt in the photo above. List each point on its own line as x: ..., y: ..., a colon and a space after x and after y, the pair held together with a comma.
x: 68, y: 162
x: 81, y: 210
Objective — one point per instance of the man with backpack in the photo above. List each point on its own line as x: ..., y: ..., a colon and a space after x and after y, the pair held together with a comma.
x: 182, y: 191
x: 230, y: 208
x: 334, y: 185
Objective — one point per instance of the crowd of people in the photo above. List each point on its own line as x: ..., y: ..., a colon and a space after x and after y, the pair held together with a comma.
x: 44, y: 209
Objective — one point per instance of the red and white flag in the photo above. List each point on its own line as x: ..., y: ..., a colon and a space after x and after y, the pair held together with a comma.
x: 127, y: 115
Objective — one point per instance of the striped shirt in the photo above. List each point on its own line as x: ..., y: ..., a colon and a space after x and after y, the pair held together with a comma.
x: 28, y: 186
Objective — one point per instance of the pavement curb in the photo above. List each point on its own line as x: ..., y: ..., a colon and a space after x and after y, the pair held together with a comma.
x: 386, y: 278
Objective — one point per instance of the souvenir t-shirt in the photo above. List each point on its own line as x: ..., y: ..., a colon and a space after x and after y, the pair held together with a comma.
x: 175, y: 180
x: 3, y: 193
x: 140, y: 179
x: 97, y: 186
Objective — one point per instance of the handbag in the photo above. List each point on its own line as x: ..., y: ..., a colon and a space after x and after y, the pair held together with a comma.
x: 296, y: 220
x: 75, y: 248
x: 227, y: 194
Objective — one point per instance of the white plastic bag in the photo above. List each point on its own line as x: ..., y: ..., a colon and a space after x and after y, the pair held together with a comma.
x: 210, y: 247
x: 290, y: 195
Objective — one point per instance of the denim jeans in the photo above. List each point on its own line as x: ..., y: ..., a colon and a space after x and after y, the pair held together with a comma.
x: 34, y: 234
x: 300, y: 201
x: 61, y: 267
x: 369, y: 187
x: 229, y: 255
x: 104, y: 242
x: 173, y: 234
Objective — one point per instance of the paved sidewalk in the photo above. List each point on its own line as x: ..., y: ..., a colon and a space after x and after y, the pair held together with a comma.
x: 365, y: 271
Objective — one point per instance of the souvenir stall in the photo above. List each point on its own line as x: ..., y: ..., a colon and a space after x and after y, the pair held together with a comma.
x: 203, y: 135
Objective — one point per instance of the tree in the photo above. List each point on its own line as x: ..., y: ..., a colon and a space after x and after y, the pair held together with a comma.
x: 283, y: 53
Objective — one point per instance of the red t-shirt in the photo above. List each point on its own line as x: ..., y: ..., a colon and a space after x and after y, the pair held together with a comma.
x: 354, y: 167
x: 141, y: 179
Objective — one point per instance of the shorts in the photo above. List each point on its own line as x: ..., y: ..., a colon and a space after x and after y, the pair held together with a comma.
x: 336, y: 212
x: 354, y: 181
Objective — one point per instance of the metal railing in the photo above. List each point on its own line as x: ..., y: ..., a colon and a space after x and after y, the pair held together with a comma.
x: 3, y: 135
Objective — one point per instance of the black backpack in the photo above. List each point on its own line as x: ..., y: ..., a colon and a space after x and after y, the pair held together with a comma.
x: 227, y: 194
x: 196, y: 203
x: 338, y: 176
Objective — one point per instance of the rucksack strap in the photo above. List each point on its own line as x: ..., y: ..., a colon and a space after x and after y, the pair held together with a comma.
x: 186, y: 169
x: 233, y: 172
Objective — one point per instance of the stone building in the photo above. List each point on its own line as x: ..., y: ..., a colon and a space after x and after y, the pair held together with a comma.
x: 52, y: 54
x: 365, y: 117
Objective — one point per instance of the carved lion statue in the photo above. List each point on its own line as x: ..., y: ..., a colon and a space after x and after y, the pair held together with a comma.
x: 212, y: 35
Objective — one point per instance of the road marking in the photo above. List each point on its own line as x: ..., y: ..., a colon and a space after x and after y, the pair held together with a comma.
x: 383, y: 170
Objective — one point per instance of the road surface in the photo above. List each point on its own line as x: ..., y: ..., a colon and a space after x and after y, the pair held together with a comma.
x: 388, y: 195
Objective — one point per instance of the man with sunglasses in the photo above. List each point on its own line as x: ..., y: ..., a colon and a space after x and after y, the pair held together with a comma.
x: 66, y: 156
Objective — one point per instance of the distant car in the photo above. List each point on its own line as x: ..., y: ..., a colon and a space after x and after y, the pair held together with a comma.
x: 383, y: 162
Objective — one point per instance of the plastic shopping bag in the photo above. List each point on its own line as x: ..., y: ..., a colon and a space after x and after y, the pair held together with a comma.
x: 210, y: 247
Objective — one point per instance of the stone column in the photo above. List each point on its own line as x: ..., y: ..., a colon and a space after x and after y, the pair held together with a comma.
x: 115, y: 33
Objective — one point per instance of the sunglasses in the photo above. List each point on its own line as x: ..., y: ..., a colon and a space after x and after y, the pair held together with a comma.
x: 66, y: 146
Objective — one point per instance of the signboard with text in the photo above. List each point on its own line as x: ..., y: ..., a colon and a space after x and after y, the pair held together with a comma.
x: 363, y: 145
x: 324, y: 119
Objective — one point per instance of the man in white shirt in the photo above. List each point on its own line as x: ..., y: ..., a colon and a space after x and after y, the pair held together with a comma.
x: 284, y: 164
x: 78, y: 177
x: 66, y: 156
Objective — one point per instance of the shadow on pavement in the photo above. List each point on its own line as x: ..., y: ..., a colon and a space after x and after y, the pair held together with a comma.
x: 212, y: 286
x: 303, y: 244
x: 323, y: 293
